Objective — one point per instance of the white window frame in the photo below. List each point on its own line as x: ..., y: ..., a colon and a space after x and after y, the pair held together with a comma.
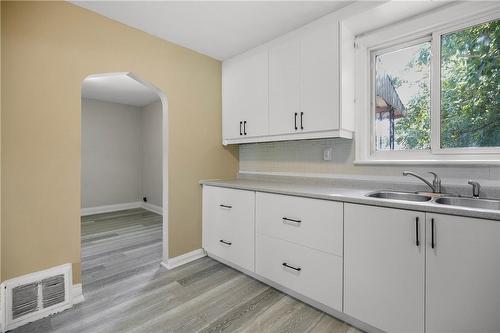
x: 405, y: 34
x: 436, y: 93
x: 373, y: 55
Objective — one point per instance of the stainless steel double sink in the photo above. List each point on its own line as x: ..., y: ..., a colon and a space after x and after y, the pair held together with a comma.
x: 440, y: 199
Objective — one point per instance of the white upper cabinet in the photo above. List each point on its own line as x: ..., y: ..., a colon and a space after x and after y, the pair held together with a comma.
x: 320, y: 79
x: 245, y: 96
x: 298, y: 86
x: 284, y: 87
x: 463, y: 275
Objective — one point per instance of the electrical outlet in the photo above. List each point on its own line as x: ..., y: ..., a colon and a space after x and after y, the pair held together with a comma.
x: 327, y: 154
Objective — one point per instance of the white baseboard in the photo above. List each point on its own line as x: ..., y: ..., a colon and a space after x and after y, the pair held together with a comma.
x: 152, y: 208
x: 183, y: 259
x: 77, y: 294
x: 2, y: 307
x: 114, y: 208
x: 110, y: 208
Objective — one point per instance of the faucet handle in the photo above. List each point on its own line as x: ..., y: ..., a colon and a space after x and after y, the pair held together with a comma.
x: 476, y: 188
x: 436, y: 182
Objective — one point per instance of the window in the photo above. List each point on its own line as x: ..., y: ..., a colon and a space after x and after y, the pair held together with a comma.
x: 402, y: 98
x: 432, y: 98
x: 470, y: 85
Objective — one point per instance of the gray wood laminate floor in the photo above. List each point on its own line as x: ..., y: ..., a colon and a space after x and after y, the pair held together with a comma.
x: 126, y: 290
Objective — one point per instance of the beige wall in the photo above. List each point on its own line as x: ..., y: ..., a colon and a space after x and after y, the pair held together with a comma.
x: 0, y: 146
x: 48, y: 49
x: 306, y: 157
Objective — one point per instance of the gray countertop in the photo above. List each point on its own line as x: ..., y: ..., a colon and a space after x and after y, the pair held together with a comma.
x: 332, y: 192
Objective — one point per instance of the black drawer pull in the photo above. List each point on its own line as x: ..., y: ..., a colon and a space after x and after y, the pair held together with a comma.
x: 417, y: 231
x: 302, y: 120
x: 224, y: 242
x: 298, y: 269
x: 245, y: 127
x: 241, y: 132
x: 226, y: 206
x: 286, y: 219
x: 433, y: 242
x: 295, y: 121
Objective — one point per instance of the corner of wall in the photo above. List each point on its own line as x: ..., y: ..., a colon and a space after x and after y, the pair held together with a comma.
x: 1, y: 4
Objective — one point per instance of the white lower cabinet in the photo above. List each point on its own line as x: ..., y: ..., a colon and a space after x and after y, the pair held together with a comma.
x: 396, y: 270
x: 312, y: 273
x: 384, y: 267
x: 299, y: 245
x: 463, y: 275
x: 229, y: 225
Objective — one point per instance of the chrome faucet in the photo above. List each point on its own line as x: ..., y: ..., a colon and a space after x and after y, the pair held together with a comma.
x: 436, y: 182
x: 476, y: 188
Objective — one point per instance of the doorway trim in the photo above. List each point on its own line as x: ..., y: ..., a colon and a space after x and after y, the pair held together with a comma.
x: 164, y: 103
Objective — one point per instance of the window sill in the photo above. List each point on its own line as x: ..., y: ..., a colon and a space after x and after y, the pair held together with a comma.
x: 428, y: 162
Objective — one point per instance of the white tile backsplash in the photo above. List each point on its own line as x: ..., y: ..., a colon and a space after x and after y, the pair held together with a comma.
x: 306, y: 157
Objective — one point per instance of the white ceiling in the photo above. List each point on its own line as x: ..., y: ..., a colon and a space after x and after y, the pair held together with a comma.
x: 220, y: 29
x: 118, y: 89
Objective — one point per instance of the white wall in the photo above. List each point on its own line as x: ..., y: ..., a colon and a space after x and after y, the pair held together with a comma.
x: 306, y: 158
x: 152, y: 153
x: 121, y: 153
x: 111, y: 153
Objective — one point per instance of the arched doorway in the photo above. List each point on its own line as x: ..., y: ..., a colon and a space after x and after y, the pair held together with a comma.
x: 122, y: 90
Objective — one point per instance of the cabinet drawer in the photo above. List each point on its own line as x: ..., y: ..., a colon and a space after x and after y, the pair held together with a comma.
x: 310, y: 222
x: 312, y: 273
x: 228, y: 225
x: 228, y: 206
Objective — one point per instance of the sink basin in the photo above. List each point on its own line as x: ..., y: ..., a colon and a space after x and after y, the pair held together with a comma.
x: 469, y: 202
x: 405, y: 196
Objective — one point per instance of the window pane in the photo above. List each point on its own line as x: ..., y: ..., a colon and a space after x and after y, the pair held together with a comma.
x: 470, y: 84
x: 402, y: 98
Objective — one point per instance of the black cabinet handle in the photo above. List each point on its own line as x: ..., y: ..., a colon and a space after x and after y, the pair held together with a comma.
x: 224, y: 242
x: 245, y: 127
x: 226, y: 206
x: 433, y: 242
x: 302, y: 120
x: 295, y: 121
x: 286, y: 219
x: 417, y: 232
x: 241, y: 123
x: 298, y: 269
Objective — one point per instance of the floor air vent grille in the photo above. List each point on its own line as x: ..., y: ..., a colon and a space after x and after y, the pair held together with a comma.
x: 53, y: 291
x: 37, y: 295
x: 24, y: 300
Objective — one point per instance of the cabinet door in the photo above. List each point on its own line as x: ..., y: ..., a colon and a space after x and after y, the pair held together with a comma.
x: 463, y: 275
x: 245, y: 95
x: 284, y: 87
x: 228, y: 225
x: 319, y: 97
x: 384, y: 267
